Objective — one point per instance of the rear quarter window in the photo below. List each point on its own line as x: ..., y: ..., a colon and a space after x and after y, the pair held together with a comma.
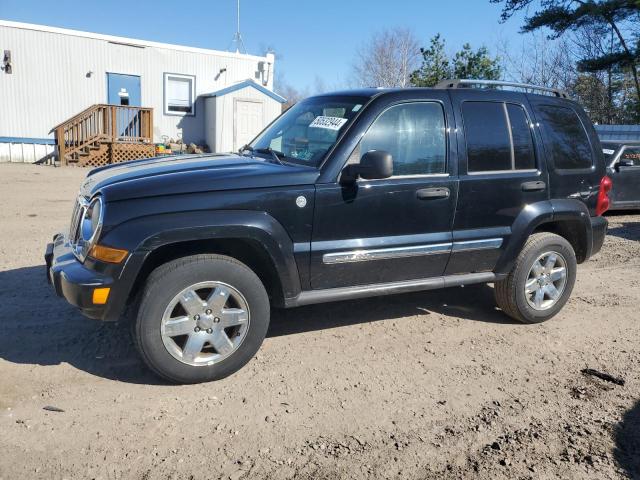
x: 566, y: 138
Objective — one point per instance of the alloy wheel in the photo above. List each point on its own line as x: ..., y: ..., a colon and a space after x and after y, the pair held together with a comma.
x: 205, y: 323
x: 546, y: 280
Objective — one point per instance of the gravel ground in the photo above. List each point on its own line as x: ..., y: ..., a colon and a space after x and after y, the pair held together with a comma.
x: 428, y: 385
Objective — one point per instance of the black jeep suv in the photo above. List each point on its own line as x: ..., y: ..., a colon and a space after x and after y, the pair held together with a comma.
x: 346, y: 195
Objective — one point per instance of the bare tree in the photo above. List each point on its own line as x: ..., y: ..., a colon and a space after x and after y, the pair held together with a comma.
x: 539, y: 60
x: 611, y: 28
x: 387, y: 59
x: 607, y: 95
x: 291, y: 94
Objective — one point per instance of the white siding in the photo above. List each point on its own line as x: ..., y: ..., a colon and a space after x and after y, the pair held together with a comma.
x: 24, y: 152
x: 49, y: 82
x: 210, y: 124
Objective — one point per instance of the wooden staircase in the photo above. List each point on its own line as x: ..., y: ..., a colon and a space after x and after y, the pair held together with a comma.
x: 104, y: 134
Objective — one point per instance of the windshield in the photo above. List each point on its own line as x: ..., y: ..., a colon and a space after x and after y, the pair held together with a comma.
x: 308, y: 130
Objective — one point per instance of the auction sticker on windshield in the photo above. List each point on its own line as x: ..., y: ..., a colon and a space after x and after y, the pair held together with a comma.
x: 330, y: 123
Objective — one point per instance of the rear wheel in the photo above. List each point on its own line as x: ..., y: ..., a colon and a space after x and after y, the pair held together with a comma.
x: 541, y: 280
x: 201, y: 318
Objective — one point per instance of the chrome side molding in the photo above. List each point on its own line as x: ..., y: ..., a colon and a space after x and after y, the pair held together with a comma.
x: 385, y: 253
x: 362, y: 255
x: 484, y: 244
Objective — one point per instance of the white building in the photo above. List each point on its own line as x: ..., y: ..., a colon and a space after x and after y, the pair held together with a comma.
x: 201, y: 96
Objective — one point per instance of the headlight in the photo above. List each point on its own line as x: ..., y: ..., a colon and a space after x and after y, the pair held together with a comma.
x: 90, y: 227
x: 92, y: 222
x: 95, y: 214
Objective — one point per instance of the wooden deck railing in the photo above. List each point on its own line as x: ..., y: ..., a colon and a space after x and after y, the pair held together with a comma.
x: 103, y: 123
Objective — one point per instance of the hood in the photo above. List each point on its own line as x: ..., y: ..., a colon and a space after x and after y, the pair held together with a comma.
x: 183, y: 174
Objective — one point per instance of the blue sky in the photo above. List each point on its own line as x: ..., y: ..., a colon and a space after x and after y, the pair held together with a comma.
x: 312, y: 38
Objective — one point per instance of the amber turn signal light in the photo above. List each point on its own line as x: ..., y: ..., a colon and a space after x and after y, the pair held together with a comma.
x: 100, y: 295
x: 108, y: 254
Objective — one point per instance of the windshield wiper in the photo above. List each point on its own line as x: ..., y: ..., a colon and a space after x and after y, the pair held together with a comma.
x: 274, y: 154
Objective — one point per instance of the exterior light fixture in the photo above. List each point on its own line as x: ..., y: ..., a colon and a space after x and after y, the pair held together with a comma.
x: 6, y: 62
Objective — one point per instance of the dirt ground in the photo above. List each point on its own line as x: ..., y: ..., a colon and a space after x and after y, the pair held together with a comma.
x: 428, y: 385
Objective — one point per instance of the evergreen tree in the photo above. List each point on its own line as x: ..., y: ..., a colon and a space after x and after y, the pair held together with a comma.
x: 435, y: 64
x: 477, y: 65
x: 467, y: 63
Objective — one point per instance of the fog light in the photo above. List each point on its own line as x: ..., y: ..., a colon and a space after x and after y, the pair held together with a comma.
x: 108, y: 254
x: 100, y: 295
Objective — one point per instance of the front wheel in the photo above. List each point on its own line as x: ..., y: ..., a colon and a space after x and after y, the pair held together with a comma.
x: 201, y: 318
x: 541, y: 280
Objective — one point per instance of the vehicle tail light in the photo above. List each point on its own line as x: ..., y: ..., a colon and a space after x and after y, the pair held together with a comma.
x: 603, y: 195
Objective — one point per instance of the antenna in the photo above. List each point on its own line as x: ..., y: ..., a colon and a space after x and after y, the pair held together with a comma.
x: 237, y: 37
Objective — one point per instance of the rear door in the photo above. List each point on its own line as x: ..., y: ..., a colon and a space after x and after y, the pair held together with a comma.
x: 397, y: 228
x: 625, y: 173
x: 501, y: 172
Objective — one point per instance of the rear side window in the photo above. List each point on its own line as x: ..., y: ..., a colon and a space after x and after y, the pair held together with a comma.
x: 565, y: 137
x: 498, y: 137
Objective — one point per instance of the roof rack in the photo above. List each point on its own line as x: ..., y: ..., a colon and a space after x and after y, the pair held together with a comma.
x: 461, y: 83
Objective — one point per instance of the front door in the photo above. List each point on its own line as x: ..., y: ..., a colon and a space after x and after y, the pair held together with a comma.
x: 625, y: 174
x: 394, y: 229
x: 123, y: 89
x: 248, y: 122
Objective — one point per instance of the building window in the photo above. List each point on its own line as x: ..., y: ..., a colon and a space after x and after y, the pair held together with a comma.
x: 179, y: 94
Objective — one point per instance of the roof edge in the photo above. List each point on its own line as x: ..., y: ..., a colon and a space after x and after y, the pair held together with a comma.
x: 134, y: 42
x: 244, y: 84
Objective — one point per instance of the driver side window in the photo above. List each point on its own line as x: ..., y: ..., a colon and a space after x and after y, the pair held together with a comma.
x: 414, y: 134
x: 631, y: 154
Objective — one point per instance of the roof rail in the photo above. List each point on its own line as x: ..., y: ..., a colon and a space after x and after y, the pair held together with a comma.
x: 461, y: 83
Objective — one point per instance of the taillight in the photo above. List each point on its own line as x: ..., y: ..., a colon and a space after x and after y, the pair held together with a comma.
x: 603, y: 195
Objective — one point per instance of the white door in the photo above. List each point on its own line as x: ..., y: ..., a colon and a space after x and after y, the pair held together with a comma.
x: 248, y: 122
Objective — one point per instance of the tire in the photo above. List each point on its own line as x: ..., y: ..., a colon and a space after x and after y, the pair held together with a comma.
x: 180, y: 309
x: 518, y: 295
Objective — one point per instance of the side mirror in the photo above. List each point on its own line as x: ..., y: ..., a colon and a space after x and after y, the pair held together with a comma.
x: 374, y: 165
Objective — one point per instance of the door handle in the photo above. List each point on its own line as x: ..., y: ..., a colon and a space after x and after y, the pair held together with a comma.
x: 536, y: 186
x: 433, y: 193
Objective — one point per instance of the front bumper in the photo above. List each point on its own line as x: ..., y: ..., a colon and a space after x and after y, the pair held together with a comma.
x: 72, y: 280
